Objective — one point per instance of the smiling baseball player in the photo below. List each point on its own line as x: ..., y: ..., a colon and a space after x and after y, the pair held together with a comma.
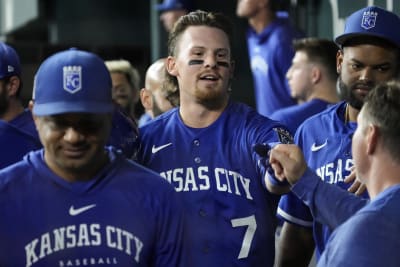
x: 77, y: 203
x: 205, y: 149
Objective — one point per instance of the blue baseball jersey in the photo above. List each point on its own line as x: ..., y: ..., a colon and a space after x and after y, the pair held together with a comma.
x: 124, y: 133
x: 295, y: 115
x: 270, y: 56
x: 325, y: 140
x: 25, y: 123
x: 125, y: 216
x: 144, y: 118
x: 230, y: 213
x: 370, y: 237
x: 17, y: 137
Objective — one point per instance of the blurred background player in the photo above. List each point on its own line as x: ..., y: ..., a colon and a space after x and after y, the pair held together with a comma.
x: 154, y: 95
x: 369, y: 54
x: 269, y: 40
x: 125, y: 85
x: 368, y: 230
x: 204, y: 148
x: 172, y: 10
x: 18, y: 133
x: 95, y: 205
x: 312, y: 79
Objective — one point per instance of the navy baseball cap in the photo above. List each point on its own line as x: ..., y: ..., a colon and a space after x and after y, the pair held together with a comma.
x: 371, y: 21
x: 72, y: 81
x: 175, y: 4
x: 9, y: 61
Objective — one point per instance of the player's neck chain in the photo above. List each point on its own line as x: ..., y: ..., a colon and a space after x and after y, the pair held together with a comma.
x: 347, y: 114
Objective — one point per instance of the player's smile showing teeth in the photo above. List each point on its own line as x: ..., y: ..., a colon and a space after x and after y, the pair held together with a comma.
x: 209, y: 77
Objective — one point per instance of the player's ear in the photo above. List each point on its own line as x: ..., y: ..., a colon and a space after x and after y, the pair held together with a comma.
x: 13, y: 85
x: 30, y: 105
x: 315, y: 74
x: 339, y: 61
x: 146, y: 99
x: 170, y: 65
x: 372, y: 135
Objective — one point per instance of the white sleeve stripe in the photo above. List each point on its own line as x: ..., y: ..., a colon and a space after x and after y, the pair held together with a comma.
x: 294, y: 220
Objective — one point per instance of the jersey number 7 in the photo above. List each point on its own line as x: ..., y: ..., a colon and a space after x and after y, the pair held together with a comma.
x: 251, y: 224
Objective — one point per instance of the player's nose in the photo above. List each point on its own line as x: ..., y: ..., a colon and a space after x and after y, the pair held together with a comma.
x: 210, y: 61
x: 71, y: 135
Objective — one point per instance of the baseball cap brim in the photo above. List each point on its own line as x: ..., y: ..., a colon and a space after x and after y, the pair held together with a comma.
x: 341, y: 40
x: 174, y: 6
x: 55, y: 108
x: 163, y: 7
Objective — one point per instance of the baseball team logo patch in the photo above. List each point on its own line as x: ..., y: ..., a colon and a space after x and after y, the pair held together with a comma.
x: 284, y: 136
x: 369, y: 19
x: 72, y: 78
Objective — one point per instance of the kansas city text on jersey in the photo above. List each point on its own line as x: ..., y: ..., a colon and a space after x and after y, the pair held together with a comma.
x: 334, y: 172
x: 82, y: 235
x: 199, y: 179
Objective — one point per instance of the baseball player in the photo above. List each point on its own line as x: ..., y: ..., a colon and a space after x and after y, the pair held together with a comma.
x: 312, y: 79
x: 18, y: 134
x: 269, y: 44
x: 124, y: 133
x: 368, y: 55
x: 370, y: 236
x: 155, y: 98
x: 17, y: 131
x: 77, y: 203
x: 205, y: 149
x: 126, y: 85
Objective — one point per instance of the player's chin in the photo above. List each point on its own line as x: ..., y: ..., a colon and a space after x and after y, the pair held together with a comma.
x: 79, y: 165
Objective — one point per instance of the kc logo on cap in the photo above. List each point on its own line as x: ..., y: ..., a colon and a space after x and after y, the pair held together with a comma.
x: 72, y: 77
x: 369, y: 19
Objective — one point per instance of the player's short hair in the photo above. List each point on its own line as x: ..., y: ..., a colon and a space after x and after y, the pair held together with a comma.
x: 321, y: 51
x: 125, y: 67
x: 382, y: 108
x: 199, y: 18
x: 170, y: 90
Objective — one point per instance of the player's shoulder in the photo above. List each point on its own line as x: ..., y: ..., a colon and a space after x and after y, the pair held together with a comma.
x: 322, y: 118
x: 16, y: 176
x: 289, y: 113
x: 256, y: 127
x: 166, y: 119
x: 386, y: 205
x: 284, y: 30
x: 243, y: 117
x: 132, y: 175
x: 245, y: 113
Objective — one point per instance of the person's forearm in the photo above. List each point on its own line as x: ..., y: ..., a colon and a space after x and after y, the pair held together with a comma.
x: 329, y: 204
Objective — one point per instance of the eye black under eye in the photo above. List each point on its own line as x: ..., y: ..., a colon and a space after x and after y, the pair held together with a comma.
x: 196, y: 62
